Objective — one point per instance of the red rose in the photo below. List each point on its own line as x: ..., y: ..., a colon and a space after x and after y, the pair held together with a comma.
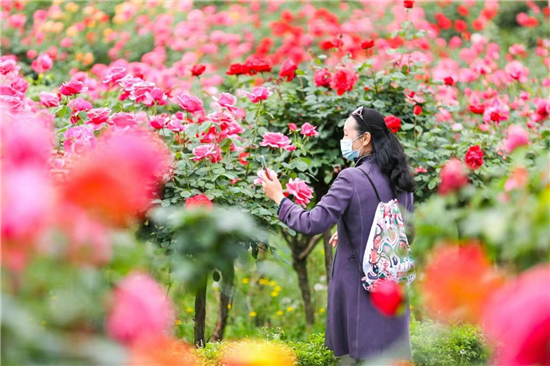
x: 72, y: 87
x: 460, y: 26
x: 343, y: 80
x: 449, y: 81
x: 442, y: 21
x: 452, y: 177
x: 322, y: 78
x: 197, y: 70
x: 327, y: 45
x: 474, y: 157
x: 242, y: 158
x: 408, y: 4
x: 477, y: 108
x: 462, y: 10
x: 387, y: 297
x: 288, y: 70
x: 368, y: 43
x: 237, y: 69
x: 393, y: 123
x: 256, y: 64
x: 200, y: 200
x: 417, y: 110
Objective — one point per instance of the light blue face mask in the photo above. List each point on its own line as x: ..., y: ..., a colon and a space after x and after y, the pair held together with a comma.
x: 347, y: 150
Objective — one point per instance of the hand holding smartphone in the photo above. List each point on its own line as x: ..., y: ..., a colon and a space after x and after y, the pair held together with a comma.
x: 264, y: 167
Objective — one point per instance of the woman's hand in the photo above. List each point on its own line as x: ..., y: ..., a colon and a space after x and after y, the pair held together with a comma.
x: 272, y: 187
x: 334, y: 240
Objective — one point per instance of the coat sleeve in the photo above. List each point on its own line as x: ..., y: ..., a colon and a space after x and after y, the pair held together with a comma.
x: 325, y: 214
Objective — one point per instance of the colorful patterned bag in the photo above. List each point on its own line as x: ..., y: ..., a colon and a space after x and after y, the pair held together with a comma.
x: 387, y: 252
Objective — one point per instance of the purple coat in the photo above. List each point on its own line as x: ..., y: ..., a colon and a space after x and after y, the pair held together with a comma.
x: 353, y: 325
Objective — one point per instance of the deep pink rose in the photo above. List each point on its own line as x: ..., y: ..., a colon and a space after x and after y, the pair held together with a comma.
x: 517, y: 317
x: 387, y: 297
x: 288, y: 70
x: 200, y: 200
x: 292, y: 127
x: 517, y: 71
x: 98, y: 116
x: 123, y: 120
x: 259, y: 93
x: 49, y: 99
x: 72, y: 87
x: 8, y: 65
x: 79, y: 139
x: 17, y: 20
x: 452, y: 176
x: 309, y: 130
x: 299, y: 189
x: 276, y: 140
x: 474, y: 157
x: 190, y: 103
x: 203, y: 151
x: 343, y: 80
x: 141, y: 310
x: 42, y: 64
x: 322, y: 78
x: 517, y: 136
x: 158, y: 122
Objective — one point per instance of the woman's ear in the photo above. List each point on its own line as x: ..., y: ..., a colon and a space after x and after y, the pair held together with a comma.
x: 366, y: 139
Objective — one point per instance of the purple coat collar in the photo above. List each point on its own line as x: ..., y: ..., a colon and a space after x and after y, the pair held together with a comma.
x: 363, y: 159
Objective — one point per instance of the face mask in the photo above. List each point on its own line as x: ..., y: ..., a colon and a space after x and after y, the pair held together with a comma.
x: 347, y: 150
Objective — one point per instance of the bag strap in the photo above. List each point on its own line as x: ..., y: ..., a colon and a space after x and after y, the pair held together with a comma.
x: 374, y: 187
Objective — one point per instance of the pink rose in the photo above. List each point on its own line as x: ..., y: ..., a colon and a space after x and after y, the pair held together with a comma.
x: 98, y: 116
x: 517, y: 136
x: 343, y: 80
x: 8, y: 65
x: 159, y: 122
x: 299, y: 189
x: 72, y: 87
x: 452, y: 176
x: 226, y: 100
x: 276, y: 140
x: 66, y: 42
x: 309, y: 130
x: 200, y: 200
x: 322, y: 78
x: 114, y: 74
x: 79, y: 139
x: 190, y: 103
x: 123, y: 120
x: 17, y: 20
x: 517, y: 71
x: 203, y: 151
x: 42, y: 64
x: 259, y: 93
x: 526, y: 337
x: 79, y: 104
x: 288, y: 70
x: 49, y: 99
x: 292, y: 127
x: 141, y: 310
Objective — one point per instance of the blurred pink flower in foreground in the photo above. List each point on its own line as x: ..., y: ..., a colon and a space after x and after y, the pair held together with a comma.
x: 517, y: 136
x: 300, y: 190
x: 141, y: 310
x: 517, y: 318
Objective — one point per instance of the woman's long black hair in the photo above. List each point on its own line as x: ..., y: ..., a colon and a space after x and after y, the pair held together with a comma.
x: 388, y: 151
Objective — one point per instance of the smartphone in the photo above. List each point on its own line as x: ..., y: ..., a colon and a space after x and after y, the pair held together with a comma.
x: 264, y: 166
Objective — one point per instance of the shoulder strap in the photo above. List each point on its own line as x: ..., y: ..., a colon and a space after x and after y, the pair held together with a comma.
x: 373, y: 186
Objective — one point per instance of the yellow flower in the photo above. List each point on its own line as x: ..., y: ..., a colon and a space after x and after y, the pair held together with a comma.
x: 71, y: 31
x: 263, y: 281
x: 290, y: 308
x: 245, y: 280
x: 256, y: 353
x: 278, y: 288
x: 253, y: 314
x: 280, y: 312
x: 178, y: 322
x: 272, y: 283
x: 72, y: 7
x: 78, y: 56
x: 321, y: 310
x: 189, y: 310
x: 274, y: 294
x: 92, y: 24
x: 229, y: 306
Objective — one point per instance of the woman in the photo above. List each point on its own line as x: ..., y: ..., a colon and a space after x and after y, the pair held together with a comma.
x: 355, y: 330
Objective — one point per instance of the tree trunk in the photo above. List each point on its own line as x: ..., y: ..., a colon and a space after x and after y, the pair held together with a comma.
x: 328, y: 254
x: 200, y: 313
x: 300, y: 266
x: 226, y: 298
